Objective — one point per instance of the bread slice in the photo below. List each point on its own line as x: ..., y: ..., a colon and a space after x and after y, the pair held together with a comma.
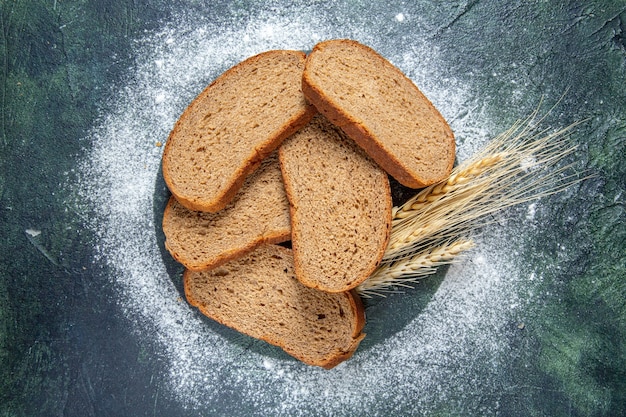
x: 238, y: 120
x: 258, y: 295
x: 258, y: 214
x: 340, y: 203
x: 381, y: 109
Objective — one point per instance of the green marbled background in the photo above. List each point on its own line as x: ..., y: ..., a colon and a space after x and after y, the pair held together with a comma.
x: 65, y: 348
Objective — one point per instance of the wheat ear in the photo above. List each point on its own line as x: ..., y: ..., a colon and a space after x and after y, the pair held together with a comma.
x: 458, y: 179
x: 518, y: 166
x: 407, y: 271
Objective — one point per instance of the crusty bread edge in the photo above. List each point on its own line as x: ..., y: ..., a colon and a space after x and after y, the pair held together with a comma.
x: 357, y: 335
x: 361, y: 135
x: 328, y: 363
x: 278, y: 236
x: 257, y: 154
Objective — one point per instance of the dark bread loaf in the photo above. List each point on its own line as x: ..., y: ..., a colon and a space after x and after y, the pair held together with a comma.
x: 238, y: 120
x: 259, y: 295
x: 340, y: 203
x: 381, y: 109
x: 258, y: 214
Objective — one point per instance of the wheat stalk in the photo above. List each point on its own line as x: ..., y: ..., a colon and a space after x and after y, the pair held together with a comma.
x: 430, y: 229
x: 404, y: 272
x: 516, y: 167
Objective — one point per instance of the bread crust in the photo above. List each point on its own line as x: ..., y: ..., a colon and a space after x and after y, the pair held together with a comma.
x: 213, y: 203
x: 358, y: 335
x: 360, y: 133
x: 328, y: 362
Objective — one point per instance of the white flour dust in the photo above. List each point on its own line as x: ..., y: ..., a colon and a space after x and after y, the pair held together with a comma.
x: 452, y: 351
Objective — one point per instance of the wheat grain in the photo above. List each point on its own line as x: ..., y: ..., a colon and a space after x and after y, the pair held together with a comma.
x: 404, y: 272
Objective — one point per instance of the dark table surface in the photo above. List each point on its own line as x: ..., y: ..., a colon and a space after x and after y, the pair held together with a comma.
x: 92, y: 318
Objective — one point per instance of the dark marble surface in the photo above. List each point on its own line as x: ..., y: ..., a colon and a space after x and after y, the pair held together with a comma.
x: 71, y: 341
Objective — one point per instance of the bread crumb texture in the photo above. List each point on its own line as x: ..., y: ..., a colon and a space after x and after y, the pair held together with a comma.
x: 259, y: 295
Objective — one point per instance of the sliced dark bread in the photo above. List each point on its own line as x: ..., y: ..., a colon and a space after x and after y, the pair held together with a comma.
x: 259, y: 295
x: 259, y: 213
x: 381, y: 109
x: 340, y: 203
x: 236, y: 122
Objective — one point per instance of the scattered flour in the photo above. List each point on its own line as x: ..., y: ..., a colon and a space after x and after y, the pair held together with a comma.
x: 532, y: 210
x: 451, y: 353
x: 32, y: 232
